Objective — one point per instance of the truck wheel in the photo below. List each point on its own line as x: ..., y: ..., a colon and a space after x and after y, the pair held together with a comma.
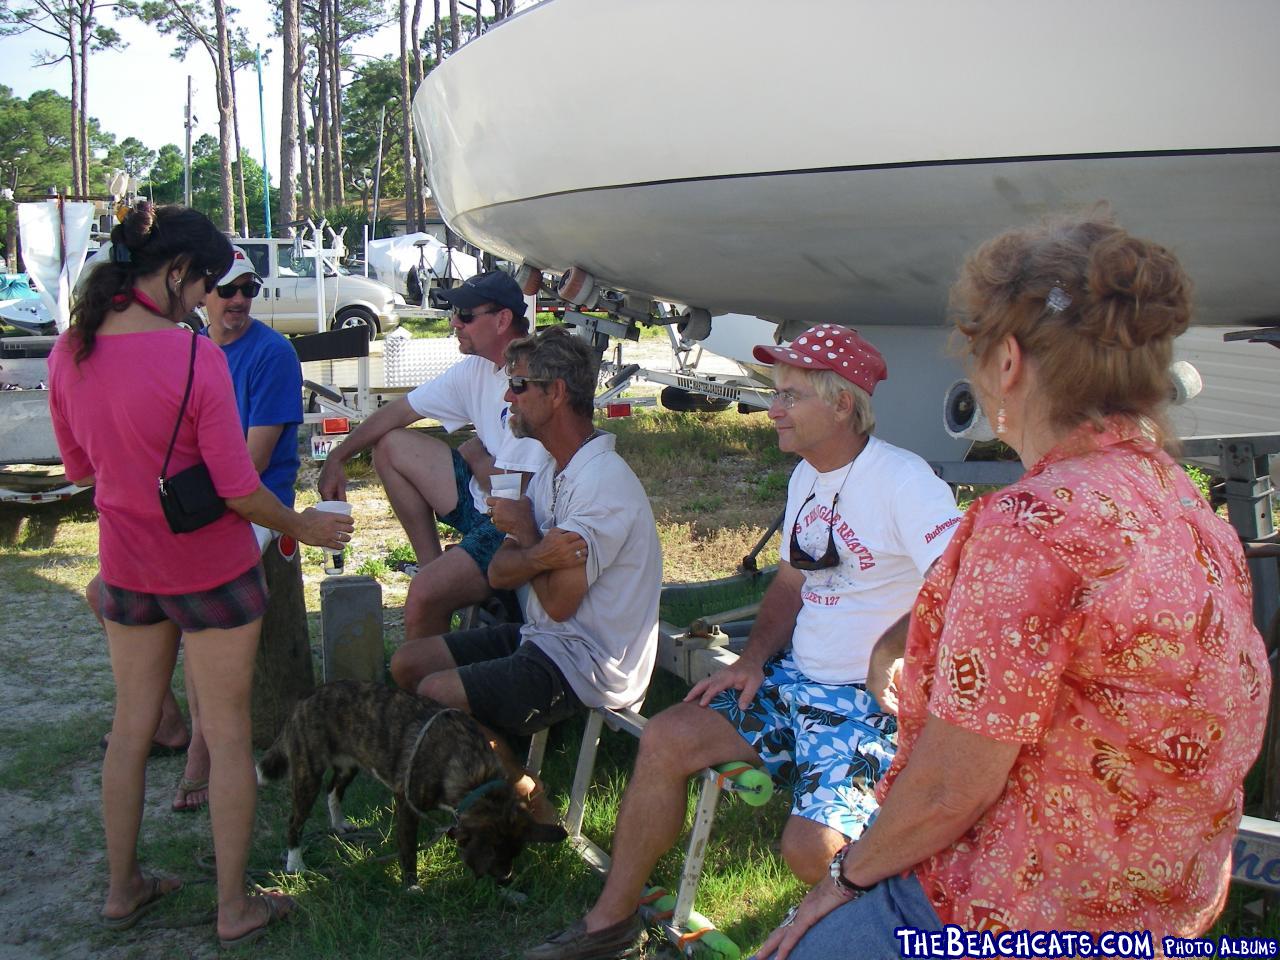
x: 357, y: 317
x: 682, y: 401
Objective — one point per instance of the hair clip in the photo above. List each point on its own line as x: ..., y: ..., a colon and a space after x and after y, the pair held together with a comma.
x: 120, y: 253
x: 1058, y: 299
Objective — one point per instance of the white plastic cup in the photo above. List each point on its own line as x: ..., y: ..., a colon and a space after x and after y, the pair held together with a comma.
x: 333, y: 558
x: 505, y: 486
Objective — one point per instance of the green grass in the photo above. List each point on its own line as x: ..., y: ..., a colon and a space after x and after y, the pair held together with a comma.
x: 716, y: 480
x: 38, y: 765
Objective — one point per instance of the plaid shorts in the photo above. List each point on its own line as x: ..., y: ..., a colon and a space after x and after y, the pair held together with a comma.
x: 233, y: 604
x: 828, y: 744
x: 480, y: 538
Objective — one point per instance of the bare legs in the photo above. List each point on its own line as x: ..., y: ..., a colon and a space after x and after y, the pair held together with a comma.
x: 449, y: 582
x: 221, y: 666
x: 171, y: 731
x: 676, y: 743
x: 142, y: 661
x: 417, y: 473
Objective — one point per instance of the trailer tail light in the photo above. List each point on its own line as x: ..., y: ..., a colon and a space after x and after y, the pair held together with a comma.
x: 615, y: 410
x: 331, y: 425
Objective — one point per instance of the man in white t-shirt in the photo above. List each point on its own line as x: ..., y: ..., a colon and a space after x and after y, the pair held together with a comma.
x: 864, y: 521
x: 584, y: 541
x: 425, y: 478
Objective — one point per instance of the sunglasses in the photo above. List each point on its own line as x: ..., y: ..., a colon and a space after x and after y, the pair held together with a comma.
x: 466, y: 316
x: 229, y: 290
x: 800, y: 558
x: 210, y: 280
x: 521, y: 384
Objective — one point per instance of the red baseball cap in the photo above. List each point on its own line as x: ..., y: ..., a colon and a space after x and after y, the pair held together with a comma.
x: 830, y: 347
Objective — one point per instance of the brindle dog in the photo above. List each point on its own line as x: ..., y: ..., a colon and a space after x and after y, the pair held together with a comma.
x: 429, y: 756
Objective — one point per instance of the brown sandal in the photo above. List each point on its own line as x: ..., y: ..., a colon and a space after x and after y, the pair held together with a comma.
x: 186, y: 787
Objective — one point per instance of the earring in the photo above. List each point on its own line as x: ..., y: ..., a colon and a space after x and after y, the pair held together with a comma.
x: 1002, y: 421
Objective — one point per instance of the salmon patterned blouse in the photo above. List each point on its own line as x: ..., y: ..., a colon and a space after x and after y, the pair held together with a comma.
x: 1098, y: 613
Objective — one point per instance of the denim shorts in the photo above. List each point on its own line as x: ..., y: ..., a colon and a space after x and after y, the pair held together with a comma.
x: 828, y: 744
x: 231, y: 605
x: 512, y: 687
x: 480, y: 538
x: 868, y: 927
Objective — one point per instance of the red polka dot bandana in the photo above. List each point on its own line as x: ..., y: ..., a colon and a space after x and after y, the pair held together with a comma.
x: 831, y: 347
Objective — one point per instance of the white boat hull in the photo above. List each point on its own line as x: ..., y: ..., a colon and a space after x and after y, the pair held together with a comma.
x: 685, y: 151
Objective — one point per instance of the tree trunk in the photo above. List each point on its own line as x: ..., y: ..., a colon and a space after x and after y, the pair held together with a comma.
x: 305, y: 180
x: 226, y: 106
x: 317, y: 160
x: 454, y: 27
x: 406, y: 126
x: 335, y: 112
x: 419, y: 217
x: 282, y: 673
x: 289, y: 110
x: 77, y: 116
x: 86, y: 34
x: 235, y: 125
x: 324, y: 183
x: 439, y: 40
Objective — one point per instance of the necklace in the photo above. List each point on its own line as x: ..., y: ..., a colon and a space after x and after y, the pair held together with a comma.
x: 146, y: 303
x: 558, y: 481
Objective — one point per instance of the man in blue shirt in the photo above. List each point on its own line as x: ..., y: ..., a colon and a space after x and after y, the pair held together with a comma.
x: 266, y: 376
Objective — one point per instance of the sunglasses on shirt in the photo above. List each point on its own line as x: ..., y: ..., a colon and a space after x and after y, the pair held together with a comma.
x: 800, y: 558
x: 521, y: 384
x: 229, y: 290
x: 466, y: 316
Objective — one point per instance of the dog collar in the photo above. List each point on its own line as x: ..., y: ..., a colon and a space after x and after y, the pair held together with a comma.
x: 469, y: 800
x: 413, y: 754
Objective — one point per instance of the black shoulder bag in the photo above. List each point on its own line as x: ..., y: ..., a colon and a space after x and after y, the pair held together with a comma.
x: 188, y: 499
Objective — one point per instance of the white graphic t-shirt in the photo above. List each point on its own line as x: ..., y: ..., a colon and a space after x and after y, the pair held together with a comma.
x: 892, y: 520
x: 472, y: 391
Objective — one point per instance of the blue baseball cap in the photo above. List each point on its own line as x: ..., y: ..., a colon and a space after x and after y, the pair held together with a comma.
x: 492, y: 287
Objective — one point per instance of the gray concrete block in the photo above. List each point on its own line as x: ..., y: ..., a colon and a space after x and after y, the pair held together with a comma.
x: 351, y: 629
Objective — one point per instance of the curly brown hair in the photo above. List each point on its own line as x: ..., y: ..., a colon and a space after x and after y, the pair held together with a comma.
x: 1096, y: 308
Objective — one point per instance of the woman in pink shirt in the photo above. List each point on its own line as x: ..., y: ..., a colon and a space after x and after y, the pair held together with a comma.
x: 1083, y: 688
x: 117, y: 380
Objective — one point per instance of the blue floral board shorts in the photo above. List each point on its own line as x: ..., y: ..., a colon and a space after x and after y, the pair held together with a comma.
x: 480, y: 538
x: 828, y: 744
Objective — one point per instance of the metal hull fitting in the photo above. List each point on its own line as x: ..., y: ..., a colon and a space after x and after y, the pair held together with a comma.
x: 684, y: 152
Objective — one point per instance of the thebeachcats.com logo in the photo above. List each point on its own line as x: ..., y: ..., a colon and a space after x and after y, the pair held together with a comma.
x: 954, y: 942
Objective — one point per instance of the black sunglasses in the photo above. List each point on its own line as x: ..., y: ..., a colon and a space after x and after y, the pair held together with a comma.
x: 800, y: 558
x: 466, y: 316
x: 210, y: 280
x: 229, y: 290
x: 521, y: 384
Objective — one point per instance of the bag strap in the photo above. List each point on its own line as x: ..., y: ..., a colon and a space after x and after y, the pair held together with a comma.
x: 191, y: 374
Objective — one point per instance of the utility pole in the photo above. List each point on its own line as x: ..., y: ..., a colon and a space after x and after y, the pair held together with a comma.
x: 186, y: 169
x: 377, y: 181
x: 262, y: 123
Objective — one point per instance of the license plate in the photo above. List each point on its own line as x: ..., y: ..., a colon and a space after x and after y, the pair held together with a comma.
x: 321, y: 445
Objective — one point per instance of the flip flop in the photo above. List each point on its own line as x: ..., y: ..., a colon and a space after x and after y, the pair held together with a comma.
x: 152, y: 899
x: 187, y: 787
x: 275, y: 911
x: 157, y: 749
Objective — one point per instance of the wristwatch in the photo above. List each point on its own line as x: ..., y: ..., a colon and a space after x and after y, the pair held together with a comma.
x: 849, y: 889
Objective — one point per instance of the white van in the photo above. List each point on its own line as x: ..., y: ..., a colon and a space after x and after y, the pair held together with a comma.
x: 288, y: 298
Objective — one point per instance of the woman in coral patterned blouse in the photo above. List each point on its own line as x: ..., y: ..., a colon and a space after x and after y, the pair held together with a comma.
x: 1083, y: 688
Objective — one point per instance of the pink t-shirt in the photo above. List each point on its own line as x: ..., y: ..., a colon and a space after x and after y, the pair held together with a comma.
x: 113, y: 416
x: 1099, y: 614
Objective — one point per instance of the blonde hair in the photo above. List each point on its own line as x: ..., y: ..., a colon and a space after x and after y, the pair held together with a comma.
x: 1097, y: 308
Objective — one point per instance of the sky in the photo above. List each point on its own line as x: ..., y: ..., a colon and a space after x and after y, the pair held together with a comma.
x: 141, y: 91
